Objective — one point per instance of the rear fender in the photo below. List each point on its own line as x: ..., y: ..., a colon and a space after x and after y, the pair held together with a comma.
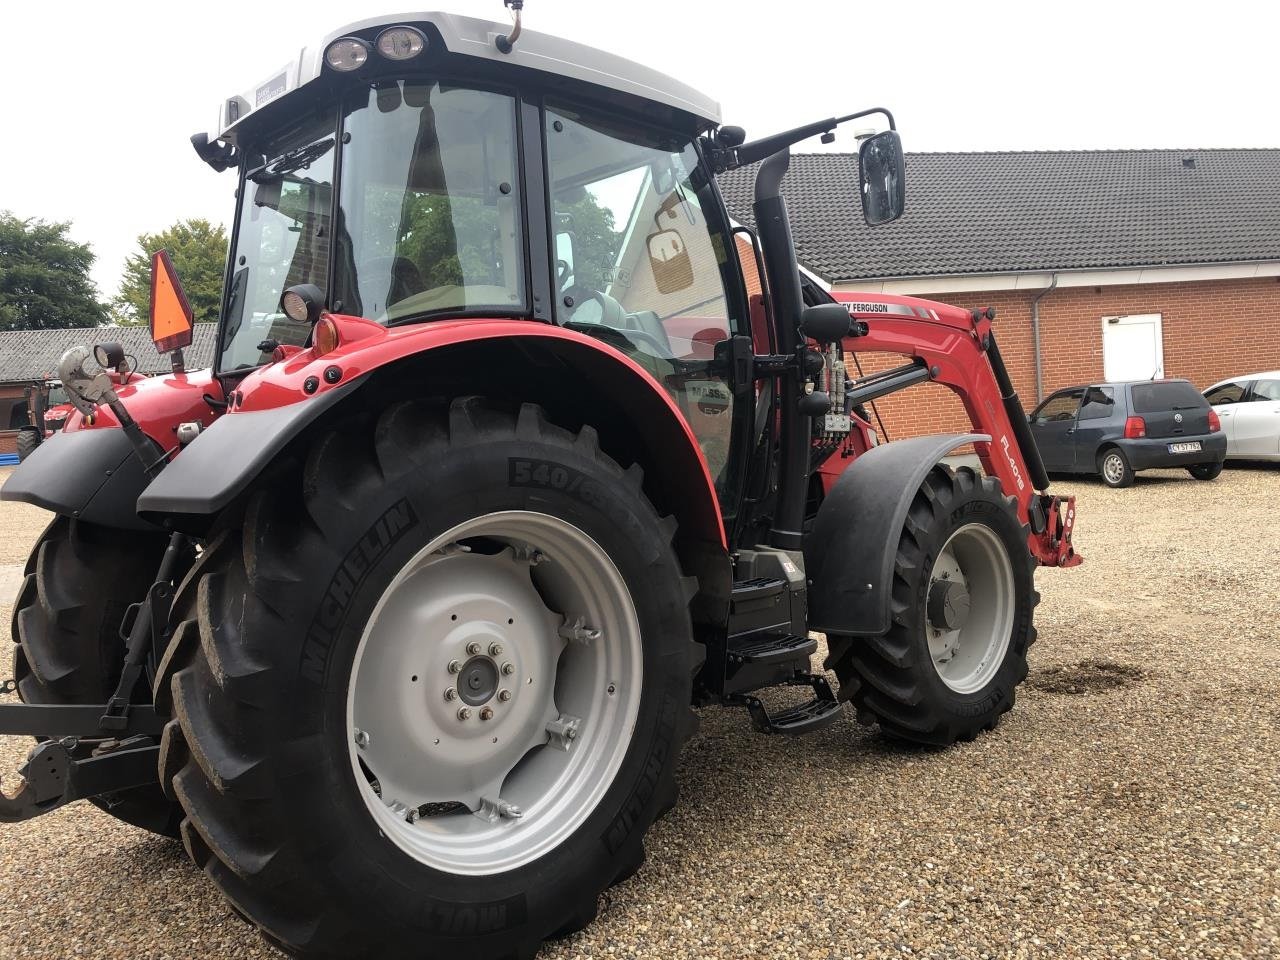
x: 849, y: 553
x: 579, y: 377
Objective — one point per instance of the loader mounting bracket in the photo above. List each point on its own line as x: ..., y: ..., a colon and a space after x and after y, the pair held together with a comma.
x: 52, y: 777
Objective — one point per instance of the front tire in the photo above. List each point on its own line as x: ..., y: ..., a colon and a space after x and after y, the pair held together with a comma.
x: 334, y: 789
x: 27, y: 441
x: 962, y: 608
x: 66, y: 623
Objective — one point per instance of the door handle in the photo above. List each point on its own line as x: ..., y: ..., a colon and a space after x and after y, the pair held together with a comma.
x: 1071, y: 431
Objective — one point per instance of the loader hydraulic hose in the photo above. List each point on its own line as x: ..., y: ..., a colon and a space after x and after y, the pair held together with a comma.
x: 1017, y: 418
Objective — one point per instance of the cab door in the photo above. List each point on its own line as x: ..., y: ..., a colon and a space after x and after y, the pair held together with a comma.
x: 645, y: 262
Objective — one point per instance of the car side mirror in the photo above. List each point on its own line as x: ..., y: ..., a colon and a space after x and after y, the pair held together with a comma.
x: 882, y: 178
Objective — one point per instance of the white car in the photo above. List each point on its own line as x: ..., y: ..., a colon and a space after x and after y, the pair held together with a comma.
x: 1249, y: 408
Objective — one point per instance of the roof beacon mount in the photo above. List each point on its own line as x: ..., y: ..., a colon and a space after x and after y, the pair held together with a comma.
x: 507, y: 44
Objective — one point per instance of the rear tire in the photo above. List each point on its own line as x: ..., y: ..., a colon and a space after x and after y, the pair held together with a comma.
x: 1114, y: 468
x: 1205, y: 471
x: 267, y: 675
x: 80, y: 578
x: 28, y: 440
x: 932, y: 686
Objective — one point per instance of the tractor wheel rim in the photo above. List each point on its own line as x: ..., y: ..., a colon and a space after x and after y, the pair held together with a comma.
x: 494, y: 692
x: 968, y: 655
x: 1113, y: 468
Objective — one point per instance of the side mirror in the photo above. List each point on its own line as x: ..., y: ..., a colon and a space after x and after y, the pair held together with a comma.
x: 171, y: 317
x: 825, y: 322
x: 882, y: 178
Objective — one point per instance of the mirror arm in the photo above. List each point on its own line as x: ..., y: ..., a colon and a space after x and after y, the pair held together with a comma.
x: 759, y: 149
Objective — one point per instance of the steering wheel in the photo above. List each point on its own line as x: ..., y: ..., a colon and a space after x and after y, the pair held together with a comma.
x: 614, y: 318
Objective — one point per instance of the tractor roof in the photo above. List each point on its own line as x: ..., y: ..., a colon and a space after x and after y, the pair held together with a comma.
x: 472, y: 37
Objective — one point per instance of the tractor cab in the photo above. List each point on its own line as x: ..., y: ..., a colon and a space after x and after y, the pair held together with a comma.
x: 409, y: 171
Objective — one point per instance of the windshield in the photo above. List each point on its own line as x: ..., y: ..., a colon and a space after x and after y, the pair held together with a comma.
x: 57, y: 395
x: 282, y: 239
x: 429, y: 204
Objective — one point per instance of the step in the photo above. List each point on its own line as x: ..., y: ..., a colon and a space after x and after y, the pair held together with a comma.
x: 823, y: 710
x: 757, y: 588
x: 775, y: 648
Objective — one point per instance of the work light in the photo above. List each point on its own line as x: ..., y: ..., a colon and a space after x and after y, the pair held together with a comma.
x: 346, y: 54
x: 401, y: 43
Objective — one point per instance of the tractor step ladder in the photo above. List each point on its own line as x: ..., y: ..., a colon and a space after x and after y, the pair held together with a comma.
x: 817, y: 713
x: 771, y: 649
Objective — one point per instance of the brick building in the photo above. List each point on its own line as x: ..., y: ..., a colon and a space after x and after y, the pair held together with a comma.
x: 29, y: 357
x: 1116, y: 264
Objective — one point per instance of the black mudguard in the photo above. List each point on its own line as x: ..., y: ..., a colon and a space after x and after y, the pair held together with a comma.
x: 92, y: 474
x: 220, y: 464
x: 849, y: 553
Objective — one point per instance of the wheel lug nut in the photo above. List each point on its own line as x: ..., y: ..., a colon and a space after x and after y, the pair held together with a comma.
x: 504, y: 695
x: 508, y: 669
x: 495, y: 649
x: 450, y: 693
x: 486, y: 713
x: 362, y: 738
x: 473, y: 648
x: 455, y: 666
x: 464, y: 713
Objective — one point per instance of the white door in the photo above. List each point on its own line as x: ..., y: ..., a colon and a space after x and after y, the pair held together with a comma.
x: 1132, y: 347
x: 1257, y: 422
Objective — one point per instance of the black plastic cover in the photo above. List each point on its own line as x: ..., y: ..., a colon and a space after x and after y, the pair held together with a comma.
x: 91, y: 474
x: 849, y: 554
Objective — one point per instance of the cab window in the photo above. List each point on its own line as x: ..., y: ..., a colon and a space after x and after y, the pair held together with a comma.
x: 1098, y: 403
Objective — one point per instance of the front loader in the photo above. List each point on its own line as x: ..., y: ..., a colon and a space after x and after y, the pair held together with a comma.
x: 396, y: 616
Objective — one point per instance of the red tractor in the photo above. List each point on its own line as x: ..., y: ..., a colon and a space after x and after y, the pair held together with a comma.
x: 498, y: 471
x: 47, y: 410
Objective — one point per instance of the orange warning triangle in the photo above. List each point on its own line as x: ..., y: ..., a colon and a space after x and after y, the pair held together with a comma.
x: 171, y: 316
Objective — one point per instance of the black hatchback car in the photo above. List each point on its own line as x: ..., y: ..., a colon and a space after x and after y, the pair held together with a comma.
x: 1116, y: 429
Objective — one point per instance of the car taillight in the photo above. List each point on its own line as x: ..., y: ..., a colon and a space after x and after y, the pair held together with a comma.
x: 1214, y: 423
x: 1135, y: 428
x: 324, y: 337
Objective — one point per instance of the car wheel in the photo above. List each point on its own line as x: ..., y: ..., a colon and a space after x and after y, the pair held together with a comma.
x: 1114, y: 468
x: 1205, y: 471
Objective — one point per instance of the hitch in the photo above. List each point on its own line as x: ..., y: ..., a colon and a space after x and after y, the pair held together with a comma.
x: 52, y: 777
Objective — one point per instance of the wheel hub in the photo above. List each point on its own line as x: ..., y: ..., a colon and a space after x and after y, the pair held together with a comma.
x: 478, y: 681
x: 948, y: 605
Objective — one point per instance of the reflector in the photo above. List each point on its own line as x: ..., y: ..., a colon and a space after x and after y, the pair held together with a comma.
x: 171, y: 316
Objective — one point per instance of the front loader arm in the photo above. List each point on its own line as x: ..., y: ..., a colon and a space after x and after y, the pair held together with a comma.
x: 957, y: 349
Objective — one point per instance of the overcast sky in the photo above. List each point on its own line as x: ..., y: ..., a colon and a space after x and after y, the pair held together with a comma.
x: 101, y: 97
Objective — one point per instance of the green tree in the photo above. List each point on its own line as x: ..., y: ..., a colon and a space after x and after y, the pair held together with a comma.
x: 198, y: 250
x: 44, y: 277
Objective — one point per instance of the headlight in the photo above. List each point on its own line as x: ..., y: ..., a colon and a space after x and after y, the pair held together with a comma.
x: 346, y: 54
x: 401, y: 43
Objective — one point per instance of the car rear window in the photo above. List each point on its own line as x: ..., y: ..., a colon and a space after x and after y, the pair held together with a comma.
x: 1166, y: 395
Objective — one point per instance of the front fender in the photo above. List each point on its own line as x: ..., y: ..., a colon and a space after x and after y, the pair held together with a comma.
x: 92, y: 475
x: 849, y: 554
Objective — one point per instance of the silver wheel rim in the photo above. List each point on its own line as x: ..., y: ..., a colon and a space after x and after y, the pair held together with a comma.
x: 494, y: 692
x: 972, y: 571
x: 1113, y: 468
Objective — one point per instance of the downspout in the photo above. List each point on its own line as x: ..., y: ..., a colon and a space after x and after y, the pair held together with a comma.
x: 1035, y: 333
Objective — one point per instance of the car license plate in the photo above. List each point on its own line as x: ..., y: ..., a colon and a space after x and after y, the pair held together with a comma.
x: 1192, y: 446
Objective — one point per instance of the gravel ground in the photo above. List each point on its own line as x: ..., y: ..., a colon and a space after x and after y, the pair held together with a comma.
x: 1128, y: 807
